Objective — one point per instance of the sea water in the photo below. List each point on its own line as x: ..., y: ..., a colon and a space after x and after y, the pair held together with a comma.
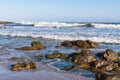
x: 51, y: 34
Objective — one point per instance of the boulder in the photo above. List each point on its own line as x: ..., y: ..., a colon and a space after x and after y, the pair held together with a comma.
x: 35, y: 45
x: 109, y: 55
x: 79, y: 44
x: 85, y: 56
x: 107, y: 76
x: 24, y: 66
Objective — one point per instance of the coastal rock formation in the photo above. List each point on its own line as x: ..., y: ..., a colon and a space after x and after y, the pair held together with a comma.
x: 85, y: 56
x: 56, y: 54
x: 109, y: 55
x: 108, y: 76
x: 24, y: 66
x: 35, y: 45
x: 78, y: 44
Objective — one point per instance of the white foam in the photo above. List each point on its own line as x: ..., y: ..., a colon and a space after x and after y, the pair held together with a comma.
x: 103, y: 35
x: 53, y: 24
x: 64, y: 24
x: 106, y: 25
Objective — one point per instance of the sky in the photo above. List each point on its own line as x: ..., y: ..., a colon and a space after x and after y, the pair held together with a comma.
x: 60, y: 10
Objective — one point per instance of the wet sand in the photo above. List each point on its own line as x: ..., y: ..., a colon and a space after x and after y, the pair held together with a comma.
x: 41, y: 75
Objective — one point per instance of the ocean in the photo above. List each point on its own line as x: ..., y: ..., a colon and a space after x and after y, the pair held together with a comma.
x: 51, y: 34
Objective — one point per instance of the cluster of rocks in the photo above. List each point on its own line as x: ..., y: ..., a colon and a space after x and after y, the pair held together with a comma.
x: 79, y: 44
x: 105, y: 68
x: 20, y: 66
x: 35, y: 45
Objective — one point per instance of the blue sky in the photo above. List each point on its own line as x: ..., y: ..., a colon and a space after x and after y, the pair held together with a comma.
x: 60, y: 10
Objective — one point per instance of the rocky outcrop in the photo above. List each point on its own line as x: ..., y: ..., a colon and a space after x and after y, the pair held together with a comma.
x: 109, y: 55
x: 78, y: 44
x: 108, y: 76
x: 24, y: 66
x: 85, y: 56
x: 35, y: 45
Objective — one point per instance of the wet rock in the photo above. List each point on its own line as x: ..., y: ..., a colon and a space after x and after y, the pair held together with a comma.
x: 84, y: 66
x: 109, y: 55
x: 92, y: 44
x: 25, y: 48
x: 110, y: 66
x: 67, y: 43
x: 79, y: 44
x: 85, y: 56
x: 35, y: 45
x: 107, y: 76
x: 56, y: 54
x: 99, y: 63
x: 24, y: 66
x: 103, y: 66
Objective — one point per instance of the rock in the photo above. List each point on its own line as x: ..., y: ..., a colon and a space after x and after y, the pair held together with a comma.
x: 17, y: 67
x: 56, y: 54
x: 84, y: 66
x: 34, y: 46
x: 79, y: 44
x: 25, y: 48
x: 33, y: 66
x: 109, y: 55
x: 67, y: 43
x: 110, y: 66
x: 102, y: 65
x: 36, y: 43
x: 85, y: 56
x: 107, y: 76
x: 92, y: 44
x: 24, y: 66
x: 99, y: 63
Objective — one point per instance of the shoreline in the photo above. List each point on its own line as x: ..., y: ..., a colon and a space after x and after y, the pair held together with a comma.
x: 41, y: 75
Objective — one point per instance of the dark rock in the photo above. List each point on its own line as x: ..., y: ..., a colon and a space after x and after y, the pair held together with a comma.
x: 67, y: 43
x: 110, y: 66
x: 99, y: 63
x: 84, y: 66
x: 85, y: 56
x: 24, y: 66
x: 79, y: 44
x: 107, y: 76
x: 34, y: 46
x: 109, y: 55
x: 56, y: 54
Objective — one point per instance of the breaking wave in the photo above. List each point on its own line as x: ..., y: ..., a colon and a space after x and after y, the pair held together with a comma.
x: 65, y: 24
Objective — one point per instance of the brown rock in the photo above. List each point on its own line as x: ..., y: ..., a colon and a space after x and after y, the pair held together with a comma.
x: 85, y: 56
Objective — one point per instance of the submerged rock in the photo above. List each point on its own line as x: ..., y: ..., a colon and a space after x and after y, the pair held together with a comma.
x: 79, y: 44
x: 56, y: 54
x: 35, y: 45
